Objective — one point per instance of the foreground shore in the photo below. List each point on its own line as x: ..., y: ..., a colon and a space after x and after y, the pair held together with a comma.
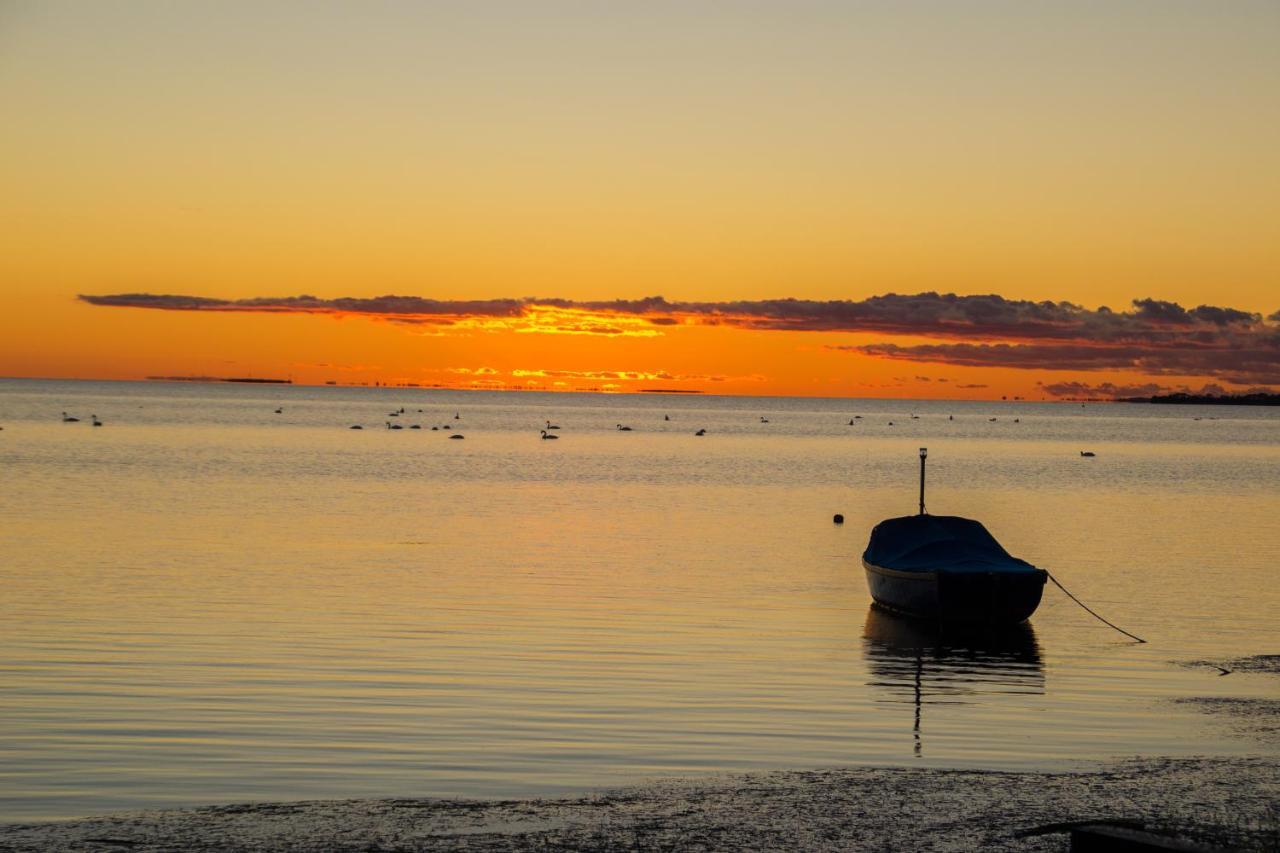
x: 1230, y: 801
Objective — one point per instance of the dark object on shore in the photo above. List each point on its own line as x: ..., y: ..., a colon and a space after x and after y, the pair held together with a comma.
x: 1087, y: 453
x: 457, y: 435
x: 1255, y: 399
x: 948, y: 568
x: 1115, y: 835
x: 838, y: 518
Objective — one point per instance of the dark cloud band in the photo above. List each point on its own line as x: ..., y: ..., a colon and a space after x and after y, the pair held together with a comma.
x: 1152, y: 337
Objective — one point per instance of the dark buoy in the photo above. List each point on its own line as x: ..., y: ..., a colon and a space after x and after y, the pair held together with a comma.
x: 838, y: 518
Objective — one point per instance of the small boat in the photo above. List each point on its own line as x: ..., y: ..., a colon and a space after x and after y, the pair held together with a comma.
x: 950, y: 569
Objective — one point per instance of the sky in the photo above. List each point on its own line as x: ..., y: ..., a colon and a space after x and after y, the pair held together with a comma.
x: 891, y: 199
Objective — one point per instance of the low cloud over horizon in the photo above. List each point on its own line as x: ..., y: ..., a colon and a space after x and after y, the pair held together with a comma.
x: 1153, y: 337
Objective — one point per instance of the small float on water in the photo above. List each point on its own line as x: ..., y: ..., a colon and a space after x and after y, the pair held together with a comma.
x: 948, y: 568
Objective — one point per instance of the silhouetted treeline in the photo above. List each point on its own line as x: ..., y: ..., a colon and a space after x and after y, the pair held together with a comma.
x: 1257, y: 399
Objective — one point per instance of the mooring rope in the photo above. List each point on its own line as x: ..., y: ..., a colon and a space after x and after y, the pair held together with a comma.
x: 1091, y: 612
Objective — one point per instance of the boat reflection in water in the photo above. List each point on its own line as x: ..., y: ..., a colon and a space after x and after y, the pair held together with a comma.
x: 928, y: 663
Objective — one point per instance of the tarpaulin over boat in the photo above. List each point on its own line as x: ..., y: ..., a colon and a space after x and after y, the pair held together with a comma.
x: 929, y: 543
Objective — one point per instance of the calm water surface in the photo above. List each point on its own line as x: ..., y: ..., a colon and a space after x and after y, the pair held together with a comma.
x: 206, y: 601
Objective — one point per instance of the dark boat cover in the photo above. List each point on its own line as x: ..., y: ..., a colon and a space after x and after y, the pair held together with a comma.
x: 928, y: 543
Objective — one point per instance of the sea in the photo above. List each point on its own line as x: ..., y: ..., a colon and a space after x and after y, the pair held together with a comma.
x: 227, y: 594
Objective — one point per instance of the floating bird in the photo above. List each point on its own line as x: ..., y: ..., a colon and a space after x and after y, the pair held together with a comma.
x: 416, y: 426
x: 546, y: 436
x: 701, y: 432
x: 1087, y: 453
x: 764, y: 420
x: 915, y: 417
x: 550, y: 425
x: 355, y: 426
x: 1017, y: 420
x: 96, y: 422
x: 951, y: 417
x: 446, y: 426
x: 666, y: 417
x: 393, y: 414
x: 622, y: 428
x: 457, y: 417
x: 67, y: 419
x: 457, y: 435
x: 890, y: 423
x: 390, y: 425
x: 280, y: 411
x: 851, y: 423
x: 993, y: 420
x: 433, y: 429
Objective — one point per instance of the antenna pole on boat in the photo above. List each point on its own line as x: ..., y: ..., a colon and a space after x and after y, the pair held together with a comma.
x: 924, y: 453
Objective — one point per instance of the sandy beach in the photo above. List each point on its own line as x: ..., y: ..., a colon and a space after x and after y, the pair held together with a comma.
x: 1208, y: 800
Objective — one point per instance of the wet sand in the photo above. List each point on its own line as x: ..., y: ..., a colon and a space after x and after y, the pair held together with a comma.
x: 1233, y: 800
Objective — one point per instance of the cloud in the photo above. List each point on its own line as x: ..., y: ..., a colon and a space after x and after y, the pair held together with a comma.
x: 472, y: 371
x: 1111, y: 391
x: 1241, y: 359
x: 1154, y: 337
x: 1105, y: 390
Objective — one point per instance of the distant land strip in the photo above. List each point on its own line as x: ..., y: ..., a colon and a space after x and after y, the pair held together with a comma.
x: 1257, y: 399
x: 249, y: 379
x: 669, y: 391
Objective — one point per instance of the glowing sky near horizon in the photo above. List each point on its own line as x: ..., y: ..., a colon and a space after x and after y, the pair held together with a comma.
x: 1093, y: 153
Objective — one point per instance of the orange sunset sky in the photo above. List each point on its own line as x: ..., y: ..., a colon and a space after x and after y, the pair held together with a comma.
x: 938, y: 199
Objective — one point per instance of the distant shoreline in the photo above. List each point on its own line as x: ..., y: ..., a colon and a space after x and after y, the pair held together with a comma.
x: 247, y: 379
x: 1258, y: 399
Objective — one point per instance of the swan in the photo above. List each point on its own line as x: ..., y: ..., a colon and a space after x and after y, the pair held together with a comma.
x: 96, y: 422
x: 393, y: 426
x: 550, y: 425
x: 701, y: 432
x: 622, y: 428
x: 457, y: 435
x: 1087, y: 453
x: 416, y: 426
x: 548, y: 437
x: 67, y: 419
x: 764, y: 420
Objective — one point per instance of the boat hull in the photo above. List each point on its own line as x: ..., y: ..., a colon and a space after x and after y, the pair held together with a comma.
x: 971, y: 597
